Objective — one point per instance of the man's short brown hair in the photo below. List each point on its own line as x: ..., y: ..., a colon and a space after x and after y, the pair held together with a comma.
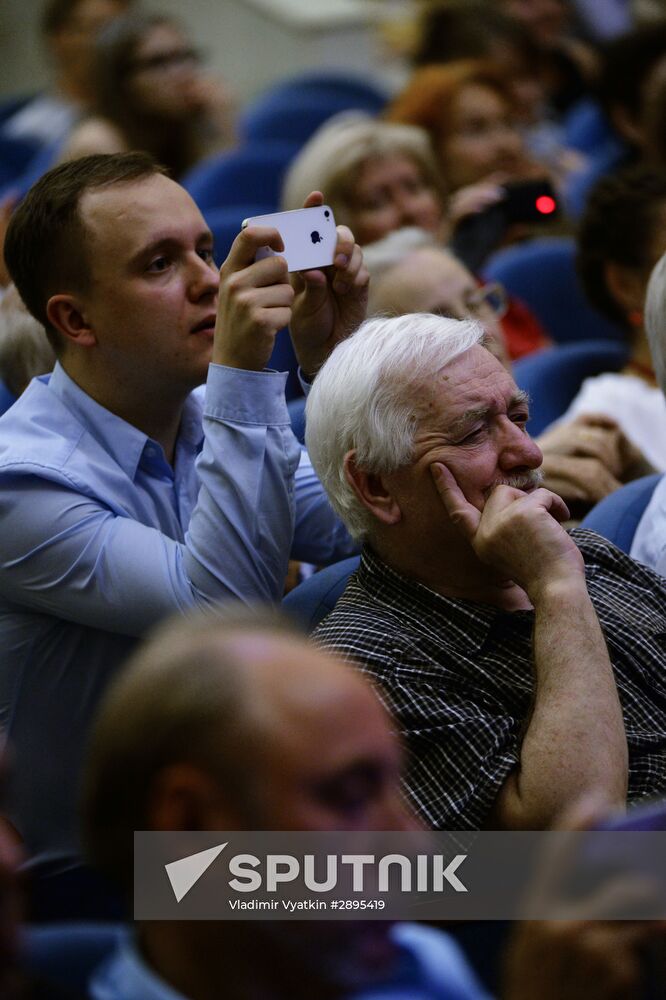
x: 46, y: 241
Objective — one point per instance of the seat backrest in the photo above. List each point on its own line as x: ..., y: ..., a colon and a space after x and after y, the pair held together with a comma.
x: 7, y: 398
x: 553, y: 377
x: 586, y: 127
x: 292, y: 120
x: 358, y: 92
x: 311, y: 601
x: 542, y: 273
x: 249, y: 174
x: 616, y: 517
x: 225, y: 224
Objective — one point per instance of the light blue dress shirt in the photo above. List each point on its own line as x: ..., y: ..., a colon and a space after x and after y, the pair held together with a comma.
x: 102, y: 538
x: 429, y: 966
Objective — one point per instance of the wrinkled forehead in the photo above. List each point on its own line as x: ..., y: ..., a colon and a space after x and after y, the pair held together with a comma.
x: 473, y: 381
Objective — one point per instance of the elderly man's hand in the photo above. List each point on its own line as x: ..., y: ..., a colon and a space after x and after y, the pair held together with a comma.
x: 330, y: 305
x: 255, y: 301
x: 518, y: 534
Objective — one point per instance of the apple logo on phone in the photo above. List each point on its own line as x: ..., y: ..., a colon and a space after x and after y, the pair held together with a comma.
x: 315, y: 237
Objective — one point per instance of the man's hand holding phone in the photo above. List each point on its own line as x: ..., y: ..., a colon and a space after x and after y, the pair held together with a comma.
x: 255, y: 301
x: 330, y: 303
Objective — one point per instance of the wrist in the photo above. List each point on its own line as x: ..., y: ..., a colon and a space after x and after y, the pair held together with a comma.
x: 558, y: 588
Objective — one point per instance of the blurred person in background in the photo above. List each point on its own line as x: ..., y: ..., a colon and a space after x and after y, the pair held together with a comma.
x: 150, y: 94
x: 24, y: 348
x: 573, y: 63
x: 625, y: 86
x: 479, y: 30
x: 269, y: 733
x: 379, y: 177
x: 649, y: 544
x: 621, y: 237
x: 69, y: 29
x: 468, y: 110
x: 585, y: 459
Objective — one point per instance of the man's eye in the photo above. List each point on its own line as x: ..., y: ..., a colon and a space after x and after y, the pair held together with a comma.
x: 206, y: 253
x: 159, y: 264
x: 520, y: 418
x: 472, y: 435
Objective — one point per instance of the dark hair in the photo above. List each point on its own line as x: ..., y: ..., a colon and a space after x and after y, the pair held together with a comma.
x: 57, y: 14
x: 45, y: 245
x: 625, y: 66
x: 618, y: 226
x: 470, y: 29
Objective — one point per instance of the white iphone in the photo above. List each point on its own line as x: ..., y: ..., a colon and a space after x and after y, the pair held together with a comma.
x: 308, y: 235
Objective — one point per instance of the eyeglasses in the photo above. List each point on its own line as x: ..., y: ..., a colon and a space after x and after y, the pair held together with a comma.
x: 166, y: 60
x: 491, y: 296
x: 488, y: 297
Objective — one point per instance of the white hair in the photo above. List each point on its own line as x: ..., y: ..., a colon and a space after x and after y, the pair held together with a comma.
x: 655, y: 319
x: 331, y: 160
x: 366, y: 399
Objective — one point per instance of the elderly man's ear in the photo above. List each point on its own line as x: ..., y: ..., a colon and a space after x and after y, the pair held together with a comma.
x: 372, y: 491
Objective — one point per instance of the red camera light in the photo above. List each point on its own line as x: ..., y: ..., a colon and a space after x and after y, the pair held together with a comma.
x: 545, y: 204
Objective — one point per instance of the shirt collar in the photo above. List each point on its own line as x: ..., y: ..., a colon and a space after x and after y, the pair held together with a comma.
x: 125, y: 443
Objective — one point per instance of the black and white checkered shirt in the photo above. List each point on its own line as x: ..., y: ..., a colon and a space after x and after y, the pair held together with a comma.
x: 457, y: 676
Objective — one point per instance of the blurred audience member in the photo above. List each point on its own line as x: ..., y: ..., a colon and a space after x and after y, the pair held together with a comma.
x: 150, y: 94
x: 379, y: 177
x: 573, y: 62
x: 376, y: 176
x: 467, y: 109
x: 69, y: 30
x: 649, y: 545
x: 269, y: 733
x: 621, y: 236
x: 479, y: 30
x: 583, y: 460
x: 623, y: 86
x: 24, y: 347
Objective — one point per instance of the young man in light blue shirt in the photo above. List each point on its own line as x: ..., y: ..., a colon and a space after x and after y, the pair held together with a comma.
x: 125, y: 495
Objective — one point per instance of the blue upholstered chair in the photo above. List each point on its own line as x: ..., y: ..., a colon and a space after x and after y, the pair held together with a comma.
x: 7, y: 398
x: 312, y: 600
x: 358, y: 91
x: 542, y: 273
x: 554, y: 376
x: 586, y: 127
x: 225, y: 224
x: 294, y: 120
x: 306, y: 98
x: 616, y: 517
x: 251, y: 174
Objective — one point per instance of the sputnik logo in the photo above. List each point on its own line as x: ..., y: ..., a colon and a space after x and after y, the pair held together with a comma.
x: 186, y: 872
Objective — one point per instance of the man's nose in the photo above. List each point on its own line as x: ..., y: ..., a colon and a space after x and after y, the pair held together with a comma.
x: 204, y: 279
x: 518, y: 451
x: 408, y: 209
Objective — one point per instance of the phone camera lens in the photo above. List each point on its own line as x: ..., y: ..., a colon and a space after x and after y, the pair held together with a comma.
x: 326, y: 214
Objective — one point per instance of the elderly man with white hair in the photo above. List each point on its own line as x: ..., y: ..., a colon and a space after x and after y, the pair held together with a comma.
x: 649, y: 544
x: 524, y: 664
